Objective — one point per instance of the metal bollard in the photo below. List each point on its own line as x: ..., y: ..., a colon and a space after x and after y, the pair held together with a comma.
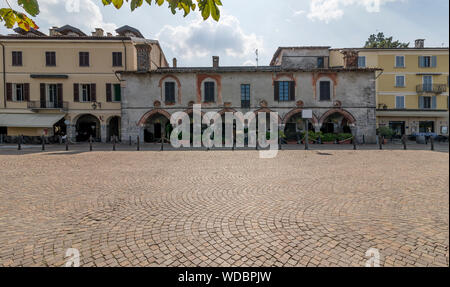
x: 130, y: 141
x: 114, y: 143
x: 67, y: 143
x: 354, y: 143
x: 162, y: 145
x: 380, y: 142
x: 138, y: 144
x: 90, y: 143
x: 432, y: 142
x: 404, y: 142
x: 364, y: 139
x: 19, y: 142
x: 43, y: 143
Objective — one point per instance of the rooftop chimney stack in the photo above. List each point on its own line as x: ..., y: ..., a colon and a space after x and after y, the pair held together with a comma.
x: 52, y: 31
x: 174, y: 62
x: 109, y: 34
x: 215, y: 61
x: 99, y: 32
x: 420, y: 44
x: 350, y: 58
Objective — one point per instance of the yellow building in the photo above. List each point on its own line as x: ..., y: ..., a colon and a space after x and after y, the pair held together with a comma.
x: 412, y: 89
x: 66, y: 82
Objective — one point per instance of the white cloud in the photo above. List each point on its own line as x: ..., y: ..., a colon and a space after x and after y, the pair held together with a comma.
x: 83, y: 14
x: 299, y: 12
x: 328, y: 10
x: 200, y: 39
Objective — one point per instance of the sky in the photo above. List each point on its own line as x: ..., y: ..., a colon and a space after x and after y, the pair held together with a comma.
x: 247, y: 25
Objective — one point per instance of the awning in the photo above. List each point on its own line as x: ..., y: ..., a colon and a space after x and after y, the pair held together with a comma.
x: 29, y: 120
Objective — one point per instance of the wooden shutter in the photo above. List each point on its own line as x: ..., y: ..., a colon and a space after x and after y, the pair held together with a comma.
x: 108, y: 93
x: 433, y: 61
x: 292, y: 91
x: 276, y: 91
x: 9, y: 92
x: 59, y: 91
x: 76, y: 93
x: 421, y: 102
x: 26, y: 91
x: 93, y: 92
x: 421, y: 60
x: 433, y: 102
x: 42, y: 95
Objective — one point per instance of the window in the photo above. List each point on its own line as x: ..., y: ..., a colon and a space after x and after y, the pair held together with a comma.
x: 427, y: 83
x: 50, y: 58
x: 17, y: 58
x: 400, y: 81
x: 18, y: 93
x: 426, y: 127
x: 399, y: 102
x: 84, y: 59
x: 169, y: 88
x: 117, y: 59
x: 85, y: 92
x: 325, y: 91
x: 245, y: 96
x: 284, y: 92
x: 400, y: 61
x: 52, y: 94
x: 117, y: 97
x: 361, y: 62
x: 320, y: 62
x: 426, y: 102
x: 209, y: 92
x: 427, y: 61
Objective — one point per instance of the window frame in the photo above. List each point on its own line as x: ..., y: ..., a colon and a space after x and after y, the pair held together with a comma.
x: 283, y: 91
x: 82, y: 56
x: 403, y: 103
x: 17, y: 58
x: 404, y: 81
x: 89, y: 95
x: 47, y: 53
x: 319, y: 59
x: 14, y: 92
x: 425, y: 98
x: 114, y: 94
x: 404, y: 61
x: 212, y: 85
x: 166, y: 86
x: 329, y: 91
x: 365, y: 62
x: 245, y: 95
x: 117, y: 56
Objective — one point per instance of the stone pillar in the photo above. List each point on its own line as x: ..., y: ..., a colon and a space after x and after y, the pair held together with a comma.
x: 71, y: 132
x: 103, y: 132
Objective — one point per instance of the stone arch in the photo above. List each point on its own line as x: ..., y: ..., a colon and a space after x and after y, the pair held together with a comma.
x: 161, y: 81
x: 113, y: 127
x: 151, y: 113
x: 330, y: 76
x: 87, y: 125
x: 293, y: 112
x: 267, y: 110
x: 281, y: 75
x: 346, y: 114
x: 201, y: 78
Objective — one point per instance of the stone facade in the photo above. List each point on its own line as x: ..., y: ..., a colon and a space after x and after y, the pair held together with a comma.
x: 352, y: 95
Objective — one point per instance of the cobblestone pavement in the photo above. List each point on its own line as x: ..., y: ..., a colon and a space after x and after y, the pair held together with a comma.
x: 223, y: 208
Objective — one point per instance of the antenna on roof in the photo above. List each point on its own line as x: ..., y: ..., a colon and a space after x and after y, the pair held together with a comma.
x: 257, y: 57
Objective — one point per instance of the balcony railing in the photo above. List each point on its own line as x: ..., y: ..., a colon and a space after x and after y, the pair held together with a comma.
x: 431, y: 88
x: 45, y: 105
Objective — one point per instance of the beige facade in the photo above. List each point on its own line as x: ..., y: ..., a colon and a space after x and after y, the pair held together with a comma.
x: 70, y: 74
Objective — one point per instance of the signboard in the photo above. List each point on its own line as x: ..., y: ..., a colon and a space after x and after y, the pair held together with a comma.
x: 307, y: 114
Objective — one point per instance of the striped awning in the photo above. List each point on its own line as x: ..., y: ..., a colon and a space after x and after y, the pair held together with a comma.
x: 29, y: 120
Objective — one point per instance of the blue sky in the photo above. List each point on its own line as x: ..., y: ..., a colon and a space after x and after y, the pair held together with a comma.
x: 247, y: 25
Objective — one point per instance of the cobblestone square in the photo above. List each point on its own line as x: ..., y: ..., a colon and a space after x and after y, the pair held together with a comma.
x: 224, y: 208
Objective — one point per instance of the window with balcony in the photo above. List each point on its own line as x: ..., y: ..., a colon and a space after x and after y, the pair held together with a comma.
x: 17, y: 58
x: 400, y: 81
x: 400, y: 61
x: 361, y: 62
x: 18, y: 93
x: 51, y: 96
x: 50, y: 59
x: 245, y: 96
x: 84, y: 59
x: 169, y: 91
x: 117, y: 59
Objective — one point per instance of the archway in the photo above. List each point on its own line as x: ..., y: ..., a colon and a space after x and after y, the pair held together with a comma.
x: 114, y: 128
x: 86, y: 126
x: 156, y: 127
x: 295, y: 124
x: 336, y: 121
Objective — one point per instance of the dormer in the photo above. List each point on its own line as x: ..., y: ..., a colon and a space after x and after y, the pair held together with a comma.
x: 68, y: 30
x: 127, y: 31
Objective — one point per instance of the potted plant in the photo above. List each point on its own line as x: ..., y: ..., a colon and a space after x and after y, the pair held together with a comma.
x: 329, y: 138
x: 386, y: 133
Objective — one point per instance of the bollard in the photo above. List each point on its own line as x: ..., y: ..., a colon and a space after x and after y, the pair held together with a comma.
x: 162, y: 145
x: 19, y: 142
x: 380, y: 142
x: 138, y: 144
x: 354, y: 143
x: 364, y: 139
x: 114, y: 143
x: 43, y: 143
x: 130, y: 141
x: 404, y: 142
x: 67, y: 143
x: 90, y: 143
x: 432, y: 142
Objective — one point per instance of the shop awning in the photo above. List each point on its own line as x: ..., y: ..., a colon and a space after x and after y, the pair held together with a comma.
x: 29, y: 120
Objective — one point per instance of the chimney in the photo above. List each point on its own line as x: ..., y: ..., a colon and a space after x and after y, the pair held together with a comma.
x: 109, y: 34
x: 174, y: 62
x: 350, y: 58
x: 52, y: 31
x: 420, y: 43
x: 99, y: 32
x: 215, y: 61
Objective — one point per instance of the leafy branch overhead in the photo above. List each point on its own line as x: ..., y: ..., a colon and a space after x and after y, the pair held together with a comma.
x: 206, y: 7
x: 11, y: 17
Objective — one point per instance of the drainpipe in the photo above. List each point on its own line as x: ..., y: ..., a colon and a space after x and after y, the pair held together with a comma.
x: 125, y: 53
x: 4, y: 76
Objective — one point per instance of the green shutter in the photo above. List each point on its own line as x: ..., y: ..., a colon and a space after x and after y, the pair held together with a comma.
x: 117, y: 93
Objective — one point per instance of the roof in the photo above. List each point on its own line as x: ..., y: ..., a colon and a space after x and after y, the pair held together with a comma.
x: 67, y: 28
x: 29, y: 120
x: 277, y: 53
x: 122, y: 30
x: 63, y: 37
x: 21, y: 31
x: 239, y: 69
x: 395, y: 49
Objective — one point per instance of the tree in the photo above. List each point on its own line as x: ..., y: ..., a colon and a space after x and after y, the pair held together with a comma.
x: 12, y: 17
x: 380, y: 41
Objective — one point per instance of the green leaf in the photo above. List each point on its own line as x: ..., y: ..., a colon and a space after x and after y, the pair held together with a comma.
x: 31, y: 6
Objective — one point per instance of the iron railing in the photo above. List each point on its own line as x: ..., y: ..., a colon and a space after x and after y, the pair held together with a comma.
x: 44, y: 105
x: 431, y: 88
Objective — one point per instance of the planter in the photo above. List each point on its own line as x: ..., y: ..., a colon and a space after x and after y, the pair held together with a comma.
x: 292, y: 142
x: 346, y: 142
x: 328, y: 142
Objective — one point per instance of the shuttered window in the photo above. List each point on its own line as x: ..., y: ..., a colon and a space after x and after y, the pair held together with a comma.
x: 117, y: 93
x: 169, y: 91
x: 117, y: 59
x: 400, y: 81
x: 427, y: 102
x: 17, y: 58
x: 400, y: 61
x: 399, y: 102
x: 427, y: 61
x: 325, y: 91
x: 209, y: 92
x: 84, y: 59
x: 50, y: 59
